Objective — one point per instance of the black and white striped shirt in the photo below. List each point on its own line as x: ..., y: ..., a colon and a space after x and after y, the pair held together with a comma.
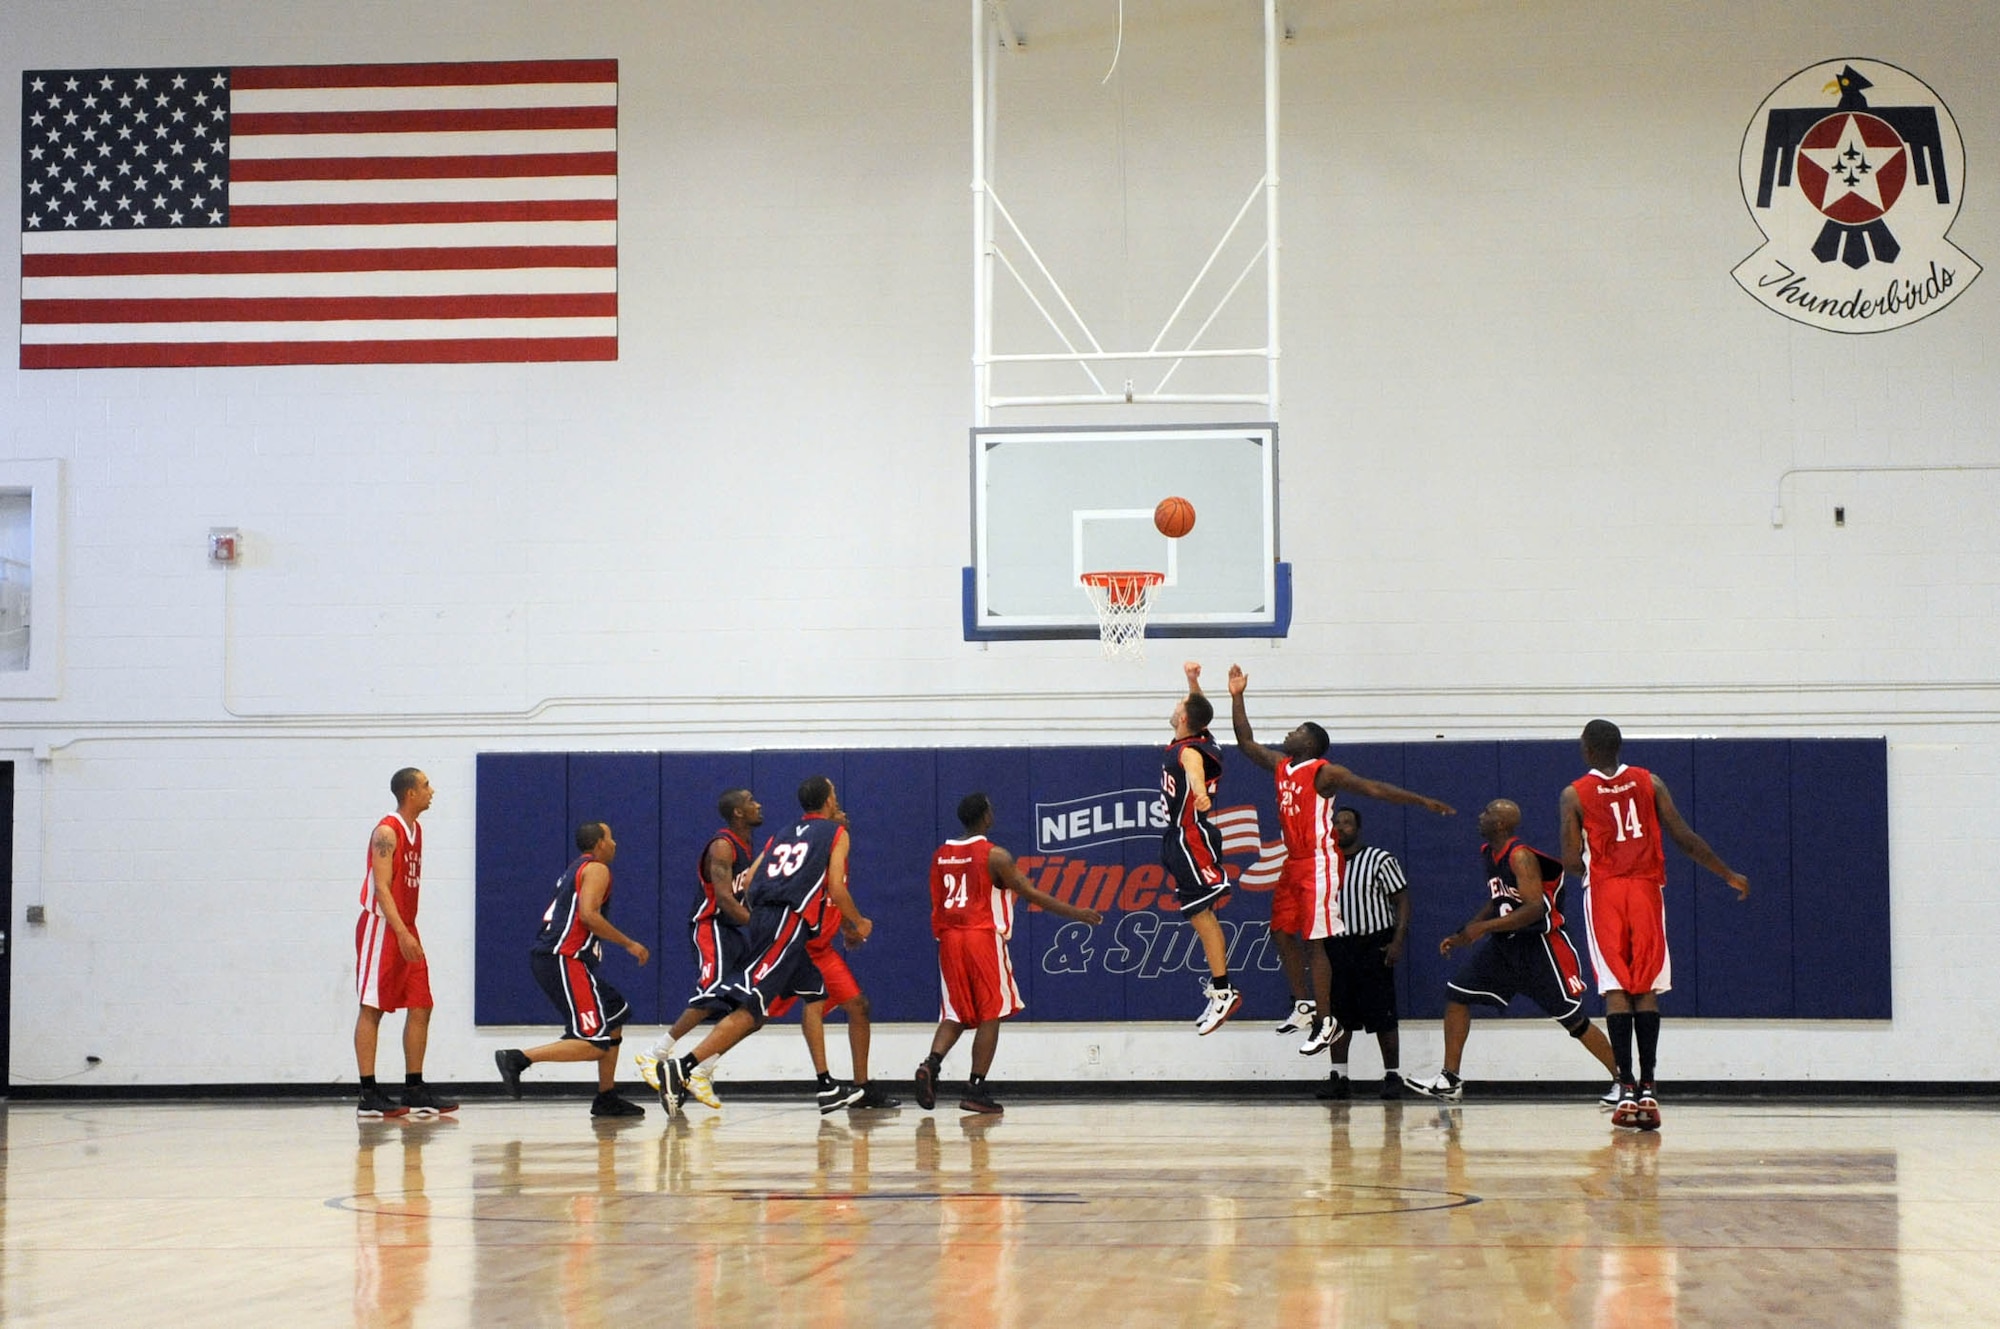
x: 1368, y: 887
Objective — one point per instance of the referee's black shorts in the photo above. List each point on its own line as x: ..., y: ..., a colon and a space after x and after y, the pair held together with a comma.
x: 1364, y: 985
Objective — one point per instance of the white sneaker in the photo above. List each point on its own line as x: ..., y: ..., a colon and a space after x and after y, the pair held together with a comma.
x: 649, y: 1069
x: 1222, y: 1003
x: 1321, y: 1038
x: 702, y: 1089
x: 1302, y: 1017
x: 1444, y: 1087
x: 1609, y: 1102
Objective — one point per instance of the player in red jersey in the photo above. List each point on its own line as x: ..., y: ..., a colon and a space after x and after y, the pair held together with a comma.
x: 973, y: 885
x: 390, y: 971
x: 1306, y: 904
x: 1612, y: 817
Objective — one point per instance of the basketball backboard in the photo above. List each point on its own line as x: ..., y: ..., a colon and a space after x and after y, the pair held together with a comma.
x: 1050, y: 503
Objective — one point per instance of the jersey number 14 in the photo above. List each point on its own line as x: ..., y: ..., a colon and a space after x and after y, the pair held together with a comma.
x: 1625, y: 820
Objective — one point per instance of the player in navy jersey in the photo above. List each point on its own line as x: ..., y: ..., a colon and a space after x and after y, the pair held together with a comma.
x: 802, y: 871
x: 565, y: 956
x: 716, y: 926
x: 1306, y: 904
x: 1191, y: 847
x: 1524, y: 953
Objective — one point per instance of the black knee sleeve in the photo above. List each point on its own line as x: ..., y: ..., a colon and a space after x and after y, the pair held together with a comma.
x: 1579, y: 1027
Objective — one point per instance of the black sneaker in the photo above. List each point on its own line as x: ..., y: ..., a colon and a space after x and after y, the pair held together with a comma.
x: 673, y: 1085
x: 375, y: 1105
x: 423, y: 1102
x: 1335, y: 1088
x: 874, y: 1096
x: 979, y: 1099
x: 511, y: 1061
x: 837, y: 1096
x: 926, y: 1087
x: 609, y: 1104
x: 1392, y: 1088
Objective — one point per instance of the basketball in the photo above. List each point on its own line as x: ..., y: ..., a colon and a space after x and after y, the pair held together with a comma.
x: 1174, y: 517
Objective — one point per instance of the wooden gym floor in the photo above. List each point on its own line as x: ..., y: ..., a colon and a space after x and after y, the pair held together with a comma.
x: 1060, y: 1213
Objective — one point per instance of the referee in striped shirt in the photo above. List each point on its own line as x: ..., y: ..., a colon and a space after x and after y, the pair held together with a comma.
x: 1364, y: 953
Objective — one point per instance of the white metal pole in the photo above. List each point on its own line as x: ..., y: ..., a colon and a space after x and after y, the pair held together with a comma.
x: 1272, y: 35
x: 981, y: 240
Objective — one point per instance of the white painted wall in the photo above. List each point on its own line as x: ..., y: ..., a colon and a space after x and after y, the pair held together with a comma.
x: 1524, y: 402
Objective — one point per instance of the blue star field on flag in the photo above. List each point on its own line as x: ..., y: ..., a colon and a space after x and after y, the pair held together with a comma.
x: 123, y: 149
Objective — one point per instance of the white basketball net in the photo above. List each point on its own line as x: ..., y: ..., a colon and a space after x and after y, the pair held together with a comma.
x: 1121, y: 600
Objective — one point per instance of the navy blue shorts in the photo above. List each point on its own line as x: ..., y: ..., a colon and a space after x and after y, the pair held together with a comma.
x: 1541, y: 967
x: 775, y: 967
x: 1194, y: 861
x: 591, y: 1008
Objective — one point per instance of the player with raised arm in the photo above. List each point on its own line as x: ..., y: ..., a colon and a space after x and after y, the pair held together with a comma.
x: 1191, y: 846
x: 1612, y: 818
x: 1306, y: 904
x: 390, y: 970
x: 973, y: 885
x: 803, y: 870
x: 565, y: 956
x: 1525, y: 952
x: 716, y: 926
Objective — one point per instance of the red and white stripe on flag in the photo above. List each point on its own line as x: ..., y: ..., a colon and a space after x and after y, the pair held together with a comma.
x: 419, y: 213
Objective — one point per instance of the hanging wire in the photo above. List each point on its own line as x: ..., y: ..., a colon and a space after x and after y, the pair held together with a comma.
x: 1116, y: 49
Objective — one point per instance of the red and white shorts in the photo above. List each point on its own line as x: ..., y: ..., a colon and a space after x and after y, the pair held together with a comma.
x: 841, y: 986
x: 1626, y: 920
x: 382, y: 977
x: 977, y: 976
x: 1307, y: 898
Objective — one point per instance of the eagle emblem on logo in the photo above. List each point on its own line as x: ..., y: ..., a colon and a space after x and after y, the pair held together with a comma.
x: 1852, y: 169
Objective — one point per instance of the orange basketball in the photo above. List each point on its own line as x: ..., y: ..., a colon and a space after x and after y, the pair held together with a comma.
x: 1174, y: 517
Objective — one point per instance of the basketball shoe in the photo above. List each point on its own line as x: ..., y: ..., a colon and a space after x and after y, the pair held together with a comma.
x: 1321, y: 1038
x: 926, y: 1086
x: 1444, y: 1087
x: 421, y: 1101
x: 978, y: 1098
x: 649, y: 1069
x: 1648, y: 1107
x: 609, y: 1104
x: 702, y: 1089
x: 1335, y: 1088
x: 511, y: 1061
x: 873, y: 1096
x: 1302, y: 1015
x: 376, y: 1105
x: 1626, y: 1115
x: 837, y: 1096
x: 1609, y: 1101
x: 1222, y: 1003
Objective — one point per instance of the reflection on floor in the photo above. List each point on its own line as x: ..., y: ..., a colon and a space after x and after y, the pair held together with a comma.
x: 1058, y: 1213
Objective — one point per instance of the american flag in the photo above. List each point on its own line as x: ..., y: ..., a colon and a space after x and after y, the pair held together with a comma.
x: 1240, y: 835
x: 319, y: 214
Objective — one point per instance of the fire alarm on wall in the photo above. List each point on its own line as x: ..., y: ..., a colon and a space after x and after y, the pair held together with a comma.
x: 225, y: 543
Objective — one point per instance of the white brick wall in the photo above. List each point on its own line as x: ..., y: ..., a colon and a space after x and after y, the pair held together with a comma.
x: 1524, y: 400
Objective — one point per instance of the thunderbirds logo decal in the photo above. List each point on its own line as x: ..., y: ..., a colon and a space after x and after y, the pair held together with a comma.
x: 1853, y: 169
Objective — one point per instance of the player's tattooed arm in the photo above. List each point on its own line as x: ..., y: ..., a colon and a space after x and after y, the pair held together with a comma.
x: 1239, y: 717
x: 727, y: 898
x: 1000, y: 864
x: 1692, y: 844
x: 382, y: 869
